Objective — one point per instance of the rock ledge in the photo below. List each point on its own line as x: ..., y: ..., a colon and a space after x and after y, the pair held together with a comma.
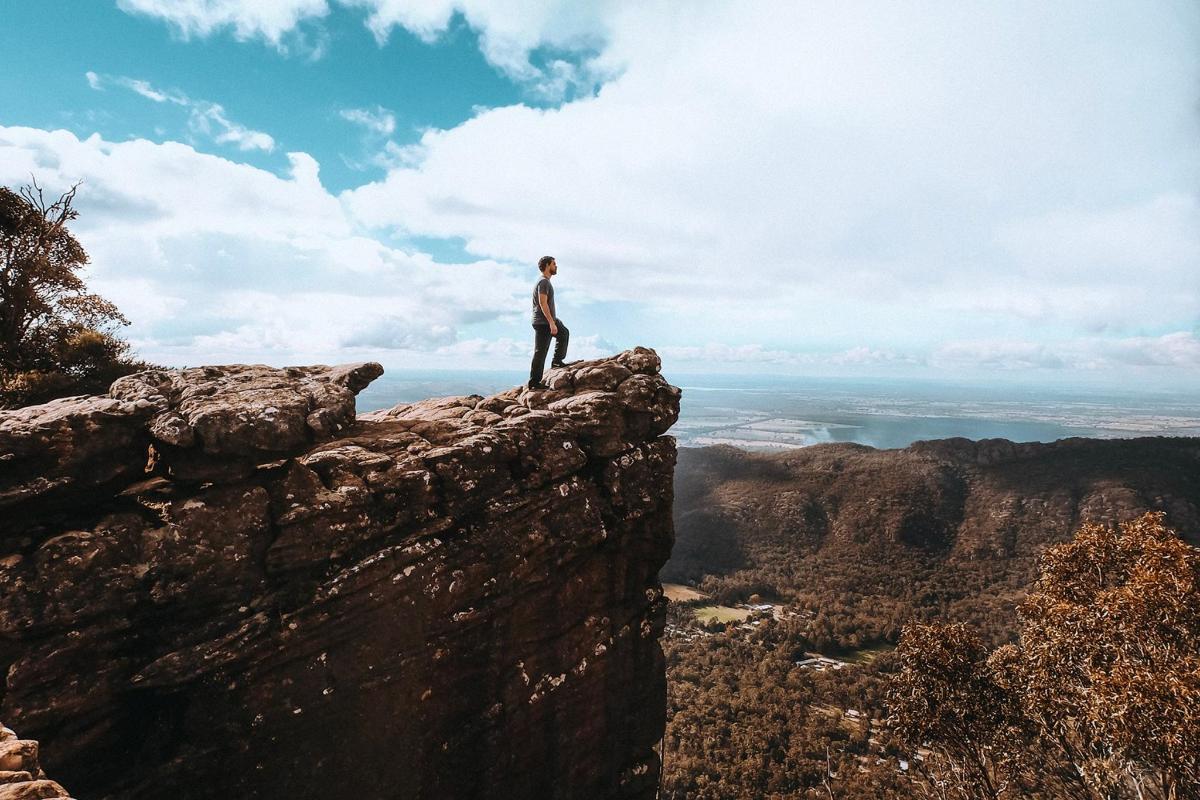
x: 222, y: 582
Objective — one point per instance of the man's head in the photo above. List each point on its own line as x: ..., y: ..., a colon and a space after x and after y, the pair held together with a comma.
x: 547, y: 266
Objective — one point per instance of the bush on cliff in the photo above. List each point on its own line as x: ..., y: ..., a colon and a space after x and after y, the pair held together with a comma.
x: 1099, y: 697
x: 56, y: 338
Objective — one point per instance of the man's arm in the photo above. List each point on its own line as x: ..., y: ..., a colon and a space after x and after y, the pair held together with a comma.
x: 546, y: 313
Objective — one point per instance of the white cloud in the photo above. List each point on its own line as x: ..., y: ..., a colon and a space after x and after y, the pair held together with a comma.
x: 715, y: 352
x: 210, y: 119
x: 918, y: 172
x: 758, y: 355
x: 869, y: 356
x: 843, y: 184
x: 377, y: 120
x: 509, y: 30
x: 1180, y: 349
x: 267, y: 19
x: 204, y: 117
x: 149, y: 92
x: 1156, y: 238
x: 215, y: 260
x: 997, y: 354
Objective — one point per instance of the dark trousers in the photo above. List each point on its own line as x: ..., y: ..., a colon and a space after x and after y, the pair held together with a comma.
x: 541, y: 344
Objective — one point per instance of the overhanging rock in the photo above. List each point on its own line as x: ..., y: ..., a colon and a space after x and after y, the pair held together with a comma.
x: 219, y: 583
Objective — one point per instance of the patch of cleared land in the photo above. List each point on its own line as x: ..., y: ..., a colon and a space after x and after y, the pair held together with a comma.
x: 722, y: 614
x: 867, y: 654
x: 678, y: 593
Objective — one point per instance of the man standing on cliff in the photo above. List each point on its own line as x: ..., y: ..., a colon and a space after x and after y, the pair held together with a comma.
x: 546, y: 325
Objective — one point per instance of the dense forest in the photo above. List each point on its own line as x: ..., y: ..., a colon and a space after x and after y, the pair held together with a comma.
x: 851, y: 547
x: 745, y: 721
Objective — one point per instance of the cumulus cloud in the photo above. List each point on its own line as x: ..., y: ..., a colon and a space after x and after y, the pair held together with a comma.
x: 1179, y: 349
x: 270, y: 20
x: 870, y: 171
x: 997, y: 354
x: 204, y: 117
x: 511, y: 352
x: 827, y: 183
x: 758, y: 355
x: 510, y: 31
x: 377, y: 120
x: 218, y: 260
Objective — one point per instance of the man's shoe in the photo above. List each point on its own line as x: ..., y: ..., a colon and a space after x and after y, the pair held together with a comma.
x: 537, y: 386
x: 561, y: 364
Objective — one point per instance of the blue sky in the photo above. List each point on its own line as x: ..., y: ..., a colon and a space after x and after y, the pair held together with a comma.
x: 296, y: 97
x: 979, y: 190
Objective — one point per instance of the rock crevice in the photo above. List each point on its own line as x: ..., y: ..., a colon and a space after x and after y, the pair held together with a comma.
x: 222, y: 582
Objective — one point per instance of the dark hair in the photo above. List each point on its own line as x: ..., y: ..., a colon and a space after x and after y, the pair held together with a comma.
x: 544, y: 262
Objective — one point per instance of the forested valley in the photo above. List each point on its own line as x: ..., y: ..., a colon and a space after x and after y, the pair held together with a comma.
x: 795, y: 576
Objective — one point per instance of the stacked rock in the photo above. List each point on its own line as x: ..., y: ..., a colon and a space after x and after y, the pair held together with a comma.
x: 21, y: 776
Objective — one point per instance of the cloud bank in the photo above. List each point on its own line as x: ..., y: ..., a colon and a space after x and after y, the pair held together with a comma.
x: 912, y: 185
x: 216, y: 260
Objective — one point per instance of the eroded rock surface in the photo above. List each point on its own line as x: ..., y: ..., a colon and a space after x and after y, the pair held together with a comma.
x: 219, y: 583
x: 21, y: 776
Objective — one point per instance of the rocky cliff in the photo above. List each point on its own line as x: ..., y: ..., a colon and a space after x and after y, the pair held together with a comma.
x: 217, y: 582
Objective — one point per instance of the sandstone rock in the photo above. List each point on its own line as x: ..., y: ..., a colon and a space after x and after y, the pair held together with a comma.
x: 441, y: 598
x: 59, y: 452
x: 32, y: 790
x: 208, y: 423
x: 217, y: 422
x: 9, y: 776
x: 21, y: 776
x: 19, y: 755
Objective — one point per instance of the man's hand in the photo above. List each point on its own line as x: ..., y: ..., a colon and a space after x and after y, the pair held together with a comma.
x: 553, y: 329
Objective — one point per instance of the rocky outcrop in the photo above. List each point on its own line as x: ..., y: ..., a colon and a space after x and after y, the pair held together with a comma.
x: 21, y: 776
x: 219, y: 583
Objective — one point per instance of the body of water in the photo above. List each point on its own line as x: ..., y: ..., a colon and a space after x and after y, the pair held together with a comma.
x: 773, y: 413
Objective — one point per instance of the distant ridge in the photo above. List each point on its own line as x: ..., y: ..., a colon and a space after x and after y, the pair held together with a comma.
x: 948, y: 527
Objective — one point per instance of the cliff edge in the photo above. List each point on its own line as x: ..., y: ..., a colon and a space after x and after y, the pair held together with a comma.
x: 218, y: 582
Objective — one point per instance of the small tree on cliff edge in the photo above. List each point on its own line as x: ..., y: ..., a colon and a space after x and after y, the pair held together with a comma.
x: 1099, y: 700
x: 56, y: 338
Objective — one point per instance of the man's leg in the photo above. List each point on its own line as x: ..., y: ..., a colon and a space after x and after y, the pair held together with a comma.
x: 560, y: 345
x: 541, y: 344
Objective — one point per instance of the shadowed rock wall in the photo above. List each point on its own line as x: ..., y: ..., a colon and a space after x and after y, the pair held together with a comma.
x: 217, y: 582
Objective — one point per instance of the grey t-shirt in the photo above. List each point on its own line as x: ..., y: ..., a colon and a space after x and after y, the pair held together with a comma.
x: 543, y: 287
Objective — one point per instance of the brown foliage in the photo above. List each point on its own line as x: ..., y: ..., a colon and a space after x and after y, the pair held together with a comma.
x: 745, y: 722
x: 56, y: 338
x: 1099, y: 699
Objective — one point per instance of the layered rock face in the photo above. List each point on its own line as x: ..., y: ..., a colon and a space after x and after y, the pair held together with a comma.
x: 217, y: 582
